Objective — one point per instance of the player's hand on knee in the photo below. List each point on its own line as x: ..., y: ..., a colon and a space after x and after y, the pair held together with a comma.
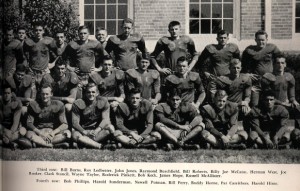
x: 269, y: 143
x: 92, y: 134
x: 275, y: 142
x: 225, y: 140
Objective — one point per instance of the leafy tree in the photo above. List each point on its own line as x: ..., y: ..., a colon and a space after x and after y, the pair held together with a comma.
x: 56, y: 15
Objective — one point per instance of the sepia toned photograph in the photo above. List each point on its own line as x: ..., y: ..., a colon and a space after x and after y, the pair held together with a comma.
x: 198, y: 81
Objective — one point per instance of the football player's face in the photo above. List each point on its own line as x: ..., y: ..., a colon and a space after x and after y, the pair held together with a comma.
x: 46, y: 94
x: 9, y: 35
x: 269, y: 102
x: 21, y: 34
x: 7, y: 94
x: 279, y: 64
x: 222, y: 39
x: 220, y: 102
x: 107, y: 65
x: 20, y: 76
x: 175, y: 31
x: 127, y: 28
x: 39, y: 32
x: 144, y: 64
x: 92, y: 93
x: 261, y: 40
x: 135, y: 100
x: 182, y: 67
x: 61, y: 70
x: 60, y: 38
x: 84, y: 34
x: 236, y: 69
x: 101, y: 35
x: 175, y: 101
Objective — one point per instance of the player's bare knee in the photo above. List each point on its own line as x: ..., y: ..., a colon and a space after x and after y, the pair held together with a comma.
x: 253, y: 135
x: 68, y: 107
x: 109, y: 128
x: 118, y: 133
x: 67, y: 134
x: 205, y: 134
x: 156, y: 134
x: 158, y: 126
x: 243, y: 135
x: 76, y: 135
x: 24, y: 110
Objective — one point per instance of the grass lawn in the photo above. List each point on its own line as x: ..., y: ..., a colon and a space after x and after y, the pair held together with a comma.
x: 290, y: 156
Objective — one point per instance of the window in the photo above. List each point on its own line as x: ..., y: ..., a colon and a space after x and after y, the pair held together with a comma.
x: 104, y: 13
x: 209, y: 16
x: 297, y: 16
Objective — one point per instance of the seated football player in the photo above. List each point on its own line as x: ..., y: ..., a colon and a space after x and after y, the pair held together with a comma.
x: 268, y: 123
x: 10, y: 129
x: 46, y: 121
x: 90, y: 119
x: 222, y: 129
x: 134, y: 123
x: 178, y: 122
x: 147, y: 80
x: 237, y: 85
x: 189, y: 83
x: 64, y: 85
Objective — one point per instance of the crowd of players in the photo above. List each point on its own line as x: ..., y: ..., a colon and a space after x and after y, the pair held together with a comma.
x: 113, y: 93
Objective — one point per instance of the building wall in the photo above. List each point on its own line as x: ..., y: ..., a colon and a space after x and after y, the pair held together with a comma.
x: 252, y: 17
x: 282, y: 19
x: 152, y: 17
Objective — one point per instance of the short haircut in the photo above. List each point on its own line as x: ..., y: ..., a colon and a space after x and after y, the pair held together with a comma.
x: 20, y: 68
x: 174, y: 92
x: 181, y: 59
x: 234, y: 62
x: 59, y: 31
x: 46, y: 85
x: 60, y: 61
x: 21, y: 27
x: 221, y: 94
x: 39, y: 24
x: 222, y: 32
x: 268, y: 93
x: 173, y: 23
x: 89, y: 86
x: 127, y: 20
x: 261, y: 32
x: 100, y: 29
x: 134, y: 91
x: 281, y: 55
x: 107, y: 57
x: 141, y: 57
x: 6, y: 86
x: 83, y: 27
x: 9, y: 29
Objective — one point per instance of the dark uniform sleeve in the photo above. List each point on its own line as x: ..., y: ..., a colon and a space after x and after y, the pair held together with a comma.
x: 159, y: 114
x: 246, y: 61
x: 30, y: 116
x: 130, y: 79
x: 158, y: 49
x: 120, y: 76
x: 192, y: 49
x: 149, y: 122
x: 122, y: 110
x: 206, y: 112
x: 156, y: 83
x: 291, y: 88
x: 62, y: 115
x: 109, y: 46
x: 284, y: 116
x: 76, y: 118
x: 142, y: 46
x: 202, y: 58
